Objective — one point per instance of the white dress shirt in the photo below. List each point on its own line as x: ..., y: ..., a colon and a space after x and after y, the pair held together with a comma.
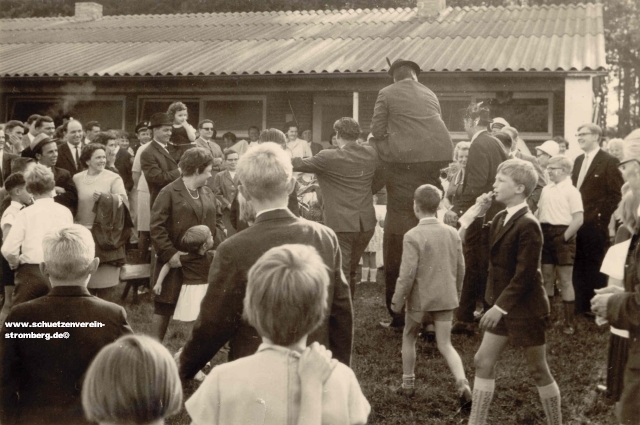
x: 512, y: 210
x: 558, y: 202
x: 588, y: 159
x: 28, y: 230
x: 72, y: 148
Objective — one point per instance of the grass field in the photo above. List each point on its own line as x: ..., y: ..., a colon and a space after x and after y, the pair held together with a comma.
x: 578, y: 364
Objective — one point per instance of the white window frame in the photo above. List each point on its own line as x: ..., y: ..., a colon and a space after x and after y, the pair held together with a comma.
x: 477, y: 97
x: 81, y: 98
x: 240, y: 133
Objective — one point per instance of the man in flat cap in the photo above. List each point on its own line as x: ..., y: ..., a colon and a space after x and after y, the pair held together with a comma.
x: 413, y: 144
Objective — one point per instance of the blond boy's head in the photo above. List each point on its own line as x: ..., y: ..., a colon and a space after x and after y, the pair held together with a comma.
x: 286, y: 296
x: 559, y: 168
x: 265, y: 172
x: 521, y: 179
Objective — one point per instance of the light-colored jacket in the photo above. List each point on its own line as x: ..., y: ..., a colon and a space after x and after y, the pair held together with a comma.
x: 432, y: 267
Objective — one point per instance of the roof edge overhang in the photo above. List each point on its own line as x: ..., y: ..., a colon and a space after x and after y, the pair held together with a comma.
x: 333, y: 75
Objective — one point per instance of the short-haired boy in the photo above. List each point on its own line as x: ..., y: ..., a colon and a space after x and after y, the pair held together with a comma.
x: 15, y: 186
x: 561, y: 214
x: 431, y: 274
x: 285, y: 300
x: 520, y: 308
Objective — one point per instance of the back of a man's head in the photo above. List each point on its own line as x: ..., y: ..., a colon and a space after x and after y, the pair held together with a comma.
x: 265, y: 171
x: 404, y: 72
x: 68, y: 254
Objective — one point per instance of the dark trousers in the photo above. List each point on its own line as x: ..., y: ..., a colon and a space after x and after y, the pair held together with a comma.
x: 392, y: 254
x: 30, y: 284
x: 591, y: 246
x: 401, y: 181
x: 352, y: 245
x: 476, y: 259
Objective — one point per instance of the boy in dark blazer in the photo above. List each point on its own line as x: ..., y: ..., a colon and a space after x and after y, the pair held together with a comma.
x: 520, y: 308
x: 41, y: 374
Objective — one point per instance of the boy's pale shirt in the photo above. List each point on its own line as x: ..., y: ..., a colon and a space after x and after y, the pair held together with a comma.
x: 558, y: 202
x: 265, y: 389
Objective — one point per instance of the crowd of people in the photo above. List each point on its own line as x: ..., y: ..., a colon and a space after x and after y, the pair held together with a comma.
x: 483, y: 242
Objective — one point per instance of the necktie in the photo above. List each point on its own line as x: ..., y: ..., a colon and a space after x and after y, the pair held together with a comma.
x: 77, y: 156
x: 583, y: 171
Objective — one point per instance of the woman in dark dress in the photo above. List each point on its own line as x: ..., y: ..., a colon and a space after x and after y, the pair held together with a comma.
x: 185, y: 203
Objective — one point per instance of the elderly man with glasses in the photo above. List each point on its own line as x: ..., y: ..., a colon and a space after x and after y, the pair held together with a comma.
x: 207, y: 132
x: 599, y: 181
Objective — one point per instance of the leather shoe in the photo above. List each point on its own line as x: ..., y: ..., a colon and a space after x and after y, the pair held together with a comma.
x: 463, y: 328
x: 407, y: 392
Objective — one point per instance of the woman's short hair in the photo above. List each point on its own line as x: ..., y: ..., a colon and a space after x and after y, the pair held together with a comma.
x: 347, y: 128
x: 195, y: 160
x: 632, y: 145
x: 40, y: 180
x: 273, y: 135
x: 133, y: 380
x: 427, y: 198
x: 228, y: 152
x: 174, y: 108
x: 229, y: 135
x: 521, y: 172
x: 68, y: 252
x: 265, y: 170
x: 195, y: 237
x: 561, y: 161
x: 87, y: 151
x: 615, y: 142
x: 286, y: 296
x: 104, y: 136
x: 460, y: 147
x: 559, y: 140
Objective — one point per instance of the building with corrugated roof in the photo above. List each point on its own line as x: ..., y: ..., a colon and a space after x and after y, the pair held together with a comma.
x: 541, y: 67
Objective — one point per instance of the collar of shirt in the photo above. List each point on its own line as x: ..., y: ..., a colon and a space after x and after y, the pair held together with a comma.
x: 476, y: 135
x: 565, y: 182
x: 512, y: 210
x: 293, y: 144
x: 73, y: 148
x: 258, y: 214
x: 428, y: 220
x: 16, y: 204
x: 589, y: 156
x: 279, y: 348
x: 43, y: 200
x: 31, y: 137
x: 161, y: 145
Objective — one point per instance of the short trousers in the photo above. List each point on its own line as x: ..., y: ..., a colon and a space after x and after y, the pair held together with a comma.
x: 554, y: 249
x: 529, y: 332
x: 414, y: 319
x: 163, y: 309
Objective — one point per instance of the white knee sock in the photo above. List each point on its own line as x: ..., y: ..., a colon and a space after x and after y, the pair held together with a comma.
x: 373, y: 274
x: 482, y: 396
x: 365, y: 275
x: 550, y: 397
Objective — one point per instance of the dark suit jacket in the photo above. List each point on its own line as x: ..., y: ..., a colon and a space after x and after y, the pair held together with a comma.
x: 40, y: 380
x: 345, y: 176
x: 485, y: 155
x: 158, y: 167
x: 407, y: 125
x: 6, y: 166
x: 124, y: 163
x: 601, y: 188
x: 515, y: 281
x: 172, y: 214
x: 65, y: 159
x: 220, y: 317
x: 64, y: 180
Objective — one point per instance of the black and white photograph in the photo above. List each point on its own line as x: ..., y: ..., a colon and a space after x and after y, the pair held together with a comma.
x: 313, y: 212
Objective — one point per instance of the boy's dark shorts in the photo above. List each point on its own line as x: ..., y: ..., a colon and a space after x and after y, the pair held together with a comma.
x: 554, y: 249
x: 163, y: 309
x: 529, y: 332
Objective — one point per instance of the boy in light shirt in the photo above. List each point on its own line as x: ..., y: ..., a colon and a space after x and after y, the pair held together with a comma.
x: 560, y: 213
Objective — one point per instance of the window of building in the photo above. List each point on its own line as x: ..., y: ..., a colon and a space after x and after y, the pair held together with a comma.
x: 452, y: 114
x: 530, y: 113
x: 150, y: 106
x: 235, y: 114
x: 107, y: 110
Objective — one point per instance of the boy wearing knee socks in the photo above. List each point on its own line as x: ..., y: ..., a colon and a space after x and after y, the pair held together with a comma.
x: 431, y: 274
x: 520, y: 307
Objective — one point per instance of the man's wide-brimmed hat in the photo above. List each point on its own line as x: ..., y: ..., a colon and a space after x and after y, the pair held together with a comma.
x: 401, y: 62
x: 159, y: 119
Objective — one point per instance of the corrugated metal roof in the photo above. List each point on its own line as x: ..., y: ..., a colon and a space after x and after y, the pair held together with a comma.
x: 537, y: 38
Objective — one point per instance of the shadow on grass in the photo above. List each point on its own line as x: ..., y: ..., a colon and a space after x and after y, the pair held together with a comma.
x: 577, y: 362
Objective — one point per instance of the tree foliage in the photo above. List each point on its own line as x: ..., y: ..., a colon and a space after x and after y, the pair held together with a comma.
x: 621, y: 23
